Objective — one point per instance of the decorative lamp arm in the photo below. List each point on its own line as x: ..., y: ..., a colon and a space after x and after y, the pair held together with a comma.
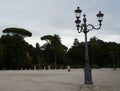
x: 92, y: 27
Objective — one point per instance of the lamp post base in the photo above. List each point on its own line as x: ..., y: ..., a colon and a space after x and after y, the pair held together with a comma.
x: 89, y: 88
x: 88, y: 76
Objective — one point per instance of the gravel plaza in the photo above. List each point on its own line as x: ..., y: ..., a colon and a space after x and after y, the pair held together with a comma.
x: 59, y: 80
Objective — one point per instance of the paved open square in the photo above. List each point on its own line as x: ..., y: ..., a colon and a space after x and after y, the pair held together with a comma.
x: 59, y: 80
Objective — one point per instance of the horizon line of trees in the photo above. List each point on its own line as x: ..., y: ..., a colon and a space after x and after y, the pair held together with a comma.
x: 16, y: 53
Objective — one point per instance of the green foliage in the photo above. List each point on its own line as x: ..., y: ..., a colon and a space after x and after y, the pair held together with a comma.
x: 54, y: 52
x: 16, y: 53
x: 76, y: 54
x: 99, y: 53
x: 2, y: 54
x: 19, y: 31
x: 48, y: 38
x: 14, y: 49
x: 76, y: 42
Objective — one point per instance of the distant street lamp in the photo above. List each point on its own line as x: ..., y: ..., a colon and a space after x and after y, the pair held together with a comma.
x: 85, y: 28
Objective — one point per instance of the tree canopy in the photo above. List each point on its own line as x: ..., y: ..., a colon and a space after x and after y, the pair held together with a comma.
x: 54, y: 51
x: 20, y: 31
x: 16, y: 53
x: 100, y: 53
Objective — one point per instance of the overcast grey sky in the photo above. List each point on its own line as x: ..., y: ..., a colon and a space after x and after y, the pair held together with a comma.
x: 42, y: 17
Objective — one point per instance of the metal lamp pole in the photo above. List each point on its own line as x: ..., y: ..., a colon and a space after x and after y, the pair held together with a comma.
x: 83, y: 27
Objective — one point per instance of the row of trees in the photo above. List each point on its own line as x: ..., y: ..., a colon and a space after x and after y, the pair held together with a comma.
x: 16, y: 53
x: 102, y: 54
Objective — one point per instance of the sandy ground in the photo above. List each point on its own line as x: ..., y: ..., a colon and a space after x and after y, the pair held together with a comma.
x: 59, y: 80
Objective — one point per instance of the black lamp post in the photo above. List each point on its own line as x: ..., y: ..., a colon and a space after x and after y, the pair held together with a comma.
x: 83, y: 27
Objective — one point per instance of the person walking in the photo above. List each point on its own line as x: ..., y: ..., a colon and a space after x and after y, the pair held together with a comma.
x: 68, y: 68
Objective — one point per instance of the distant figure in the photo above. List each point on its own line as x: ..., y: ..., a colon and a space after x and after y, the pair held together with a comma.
x: 48, y: 67
x: 68, y: 68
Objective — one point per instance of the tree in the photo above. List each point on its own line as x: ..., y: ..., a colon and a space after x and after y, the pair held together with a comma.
x: 2, y: 54
x: 76, y: 53
x: 19, y: 31
x: 76, y: 42
x: 54, y: 47
x: 16, y: 47
x: 38, y: 57
x: 99, y: 53
x: 47, y: 38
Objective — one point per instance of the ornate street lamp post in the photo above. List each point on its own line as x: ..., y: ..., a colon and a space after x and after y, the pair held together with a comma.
x: 85, y: 28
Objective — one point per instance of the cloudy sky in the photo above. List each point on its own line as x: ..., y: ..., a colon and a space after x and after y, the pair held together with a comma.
x: 43, y: 17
